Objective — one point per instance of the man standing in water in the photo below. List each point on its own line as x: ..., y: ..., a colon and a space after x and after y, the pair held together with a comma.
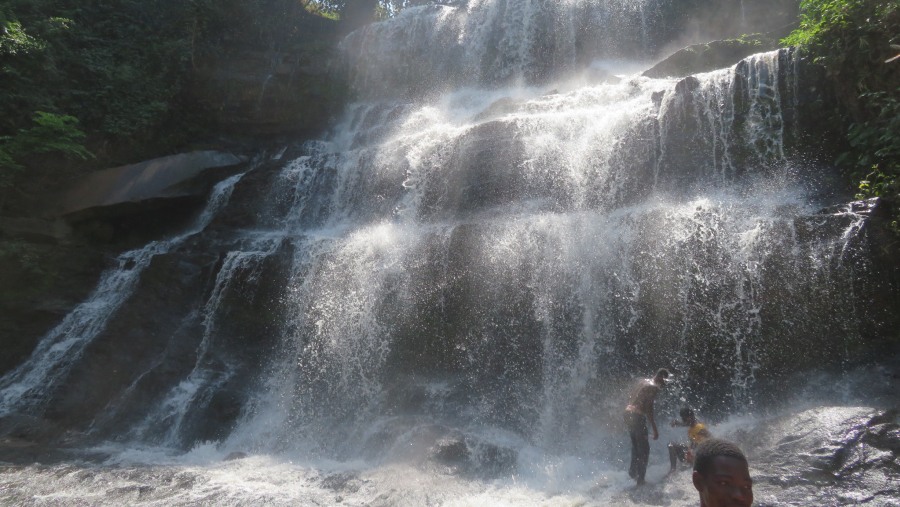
x: 721, y: 475
x: 638, y: 411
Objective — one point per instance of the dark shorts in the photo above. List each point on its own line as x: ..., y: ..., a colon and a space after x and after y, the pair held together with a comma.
x: 680, y: 450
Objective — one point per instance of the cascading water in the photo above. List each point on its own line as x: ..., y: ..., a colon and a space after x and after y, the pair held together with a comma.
x: 445, y: 300
x: 495, y: 42
x: 211, y: 371
x: 497, y: 245
x: 29, y: 384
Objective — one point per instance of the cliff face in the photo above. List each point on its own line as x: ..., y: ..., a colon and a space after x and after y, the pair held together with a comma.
x: 265, y: 93
x: 273, y: 81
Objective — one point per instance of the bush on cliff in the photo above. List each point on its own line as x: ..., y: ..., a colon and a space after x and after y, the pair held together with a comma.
x: 855, y: 41
x: 51, y: 134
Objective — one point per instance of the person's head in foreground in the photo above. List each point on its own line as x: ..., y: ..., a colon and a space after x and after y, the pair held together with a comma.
x: 721, y: 475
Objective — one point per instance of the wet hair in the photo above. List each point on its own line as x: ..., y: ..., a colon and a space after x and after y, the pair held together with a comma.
x: 662, y: 372
x: 686, y: 413
x: 711, y: 448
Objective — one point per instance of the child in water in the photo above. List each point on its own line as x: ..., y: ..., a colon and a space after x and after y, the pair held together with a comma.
x: 697, y: 433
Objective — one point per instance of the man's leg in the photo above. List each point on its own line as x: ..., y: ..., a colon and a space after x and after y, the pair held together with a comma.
x: 643, y: 456
x: 632, y: 433
x: 640, y: 446
x: 676, y: 453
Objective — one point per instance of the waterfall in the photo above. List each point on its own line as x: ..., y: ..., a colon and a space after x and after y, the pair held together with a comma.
x: 727, y: 122
x: 211, y: 371
x: 27, y: 387
x: 506, y: 229
x: 496, y: 42
x: 501, y: 259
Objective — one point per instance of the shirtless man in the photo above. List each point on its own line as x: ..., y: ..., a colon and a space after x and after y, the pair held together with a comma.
x: 638, y: 411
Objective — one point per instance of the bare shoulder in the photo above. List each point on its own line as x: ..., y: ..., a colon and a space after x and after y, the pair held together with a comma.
x: 638, y: 387
x: 643, y: 395
x: 648, y: 388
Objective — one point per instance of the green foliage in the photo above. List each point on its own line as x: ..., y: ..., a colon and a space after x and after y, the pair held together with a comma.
x: 128, y: 71
x: 50, y: 134
x: 852, y: 40
x: 332, y: 9
x: 14, y: 40
x: 876, y: 145
x: 878, y: 139
x: 106, y: 74
x: 92, y: 58
x: 755, y: 39
x: 821, y: 19
x: 847, y: 34
x: 9, y: 168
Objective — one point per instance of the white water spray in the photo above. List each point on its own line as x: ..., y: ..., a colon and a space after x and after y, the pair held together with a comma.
x: 59, y: 350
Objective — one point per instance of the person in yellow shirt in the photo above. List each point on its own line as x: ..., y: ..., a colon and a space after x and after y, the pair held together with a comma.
x: 697, y: 433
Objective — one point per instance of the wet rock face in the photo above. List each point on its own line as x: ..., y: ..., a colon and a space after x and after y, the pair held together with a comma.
x: 171, y: 282
x: 253, y: 90
x: 792, y: 101
x: 160, y: 335
x: 264, y: 71
x: 40, y: 281
x: 257, y: 94
x: 707, y: 57
x: 827, y: 456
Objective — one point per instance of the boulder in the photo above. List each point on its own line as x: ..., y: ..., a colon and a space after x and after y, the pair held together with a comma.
x: 342, y: 482
x: 163, y: 177
x: 451, y: 450
x: 875, y: 207
x: 125, y: 207
x: 470, y: 455
x: 709, y: 56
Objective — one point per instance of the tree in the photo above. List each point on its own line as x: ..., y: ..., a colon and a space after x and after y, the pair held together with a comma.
x: 853, y: 40
x: 50, y: 134
x: 358, y: 12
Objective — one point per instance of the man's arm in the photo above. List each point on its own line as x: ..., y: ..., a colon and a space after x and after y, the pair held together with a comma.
x: 652, y: 421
